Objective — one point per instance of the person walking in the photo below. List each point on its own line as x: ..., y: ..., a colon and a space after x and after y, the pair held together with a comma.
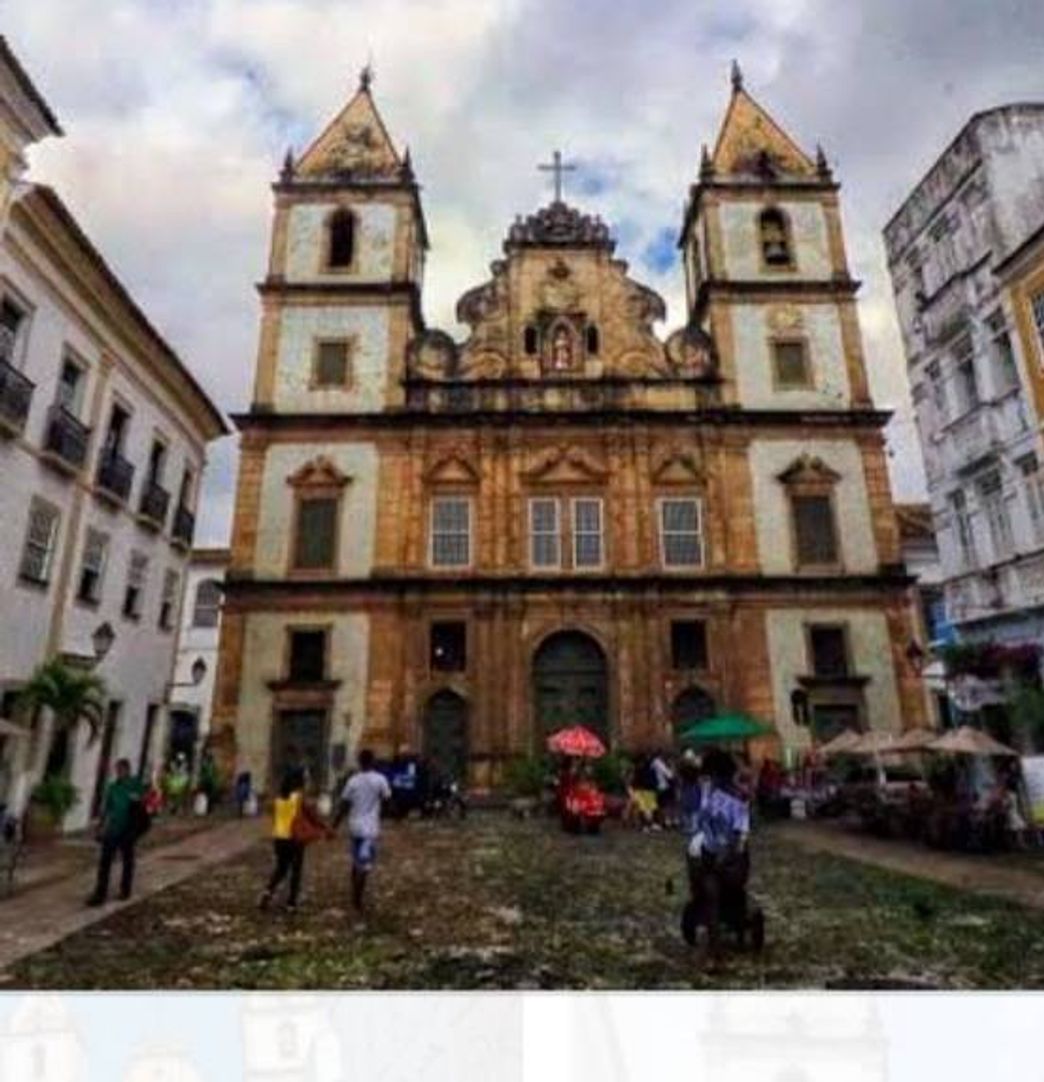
x: 123, y: 815
x: 361, y: 800
x: 718, y: 854
x: 295, y: 824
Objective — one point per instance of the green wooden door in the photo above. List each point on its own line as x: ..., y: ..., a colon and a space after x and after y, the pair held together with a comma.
x: 446, y: 735
x: 300, y: 741
x: 570, y: 685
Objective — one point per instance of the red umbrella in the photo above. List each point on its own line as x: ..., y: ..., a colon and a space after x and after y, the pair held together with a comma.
x: 577, y: 741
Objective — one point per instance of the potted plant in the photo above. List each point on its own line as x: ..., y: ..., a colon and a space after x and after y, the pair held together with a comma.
x: 71, y: 695
x: 49, y: 804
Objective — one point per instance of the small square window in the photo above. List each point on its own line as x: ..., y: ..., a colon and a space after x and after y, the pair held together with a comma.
x: 688, y: 644
x: 829, y: 650
x: 307, y: 657
x: 449, y: 646
x: 790, y: 360
x: 332, y: 363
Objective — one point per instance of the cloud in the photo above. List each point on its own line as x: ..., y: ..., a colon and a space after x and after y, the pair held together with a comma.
x: 178, y: 113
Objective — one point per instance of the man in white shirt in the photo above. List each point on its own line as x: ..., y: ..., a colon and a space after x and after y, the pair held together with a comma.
x: 361, y: 801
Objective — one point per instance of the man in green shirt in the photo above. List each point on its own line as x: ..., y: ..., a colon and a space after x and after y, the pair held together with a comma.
x: 118, y: 831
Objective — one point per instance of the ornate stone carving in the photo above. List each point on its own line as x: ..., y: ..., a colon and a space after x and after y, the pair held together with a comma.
x: 566, y: 464
x: 690, y: 351
x: 559, y: 225
x: 784, y: 319
x: 454, y: 467
x: 433, y: 355
x: 319, y: 472
x: 559, y: 291
x: 674, y: 466
x: 809, y: 471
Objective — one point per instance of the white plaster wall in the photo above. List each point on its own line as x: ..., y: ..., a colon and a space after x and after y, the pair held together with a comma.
x: 196, y: 643
x: 739, y: 228
x: 821, y: 328
x: 25, y: 610
x: 374, y: 243
x: 360, y: 462
x: 769, y: 458
x: 139, y: 665
x: 264, y: 653
x: 301, y: 327
x: 871, y: 656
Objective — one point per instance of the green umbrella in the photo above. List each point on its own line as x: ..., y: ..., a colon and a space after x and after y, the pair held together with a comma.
x: 723, y: 727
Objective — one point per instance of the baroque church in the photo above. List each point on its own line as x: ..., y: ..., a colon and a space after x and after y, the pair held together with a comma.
x: 458, y: 547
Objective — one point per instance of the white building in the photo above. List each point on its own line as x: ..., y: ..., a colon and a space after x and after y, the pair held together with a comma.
x: 102, y: 439
x: 40, y: 1042
x: 969, y: 371
x: 192, y: 691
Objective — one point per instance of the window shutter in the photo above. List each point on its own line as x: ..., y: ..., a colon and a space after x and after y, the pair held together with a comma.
x: 814, y: 530
x: 39, y: 542
x: 544, y: 533
x: 681, y: 532
x: 451, y: 532
x: 316, y: 546
x: 587, y: 533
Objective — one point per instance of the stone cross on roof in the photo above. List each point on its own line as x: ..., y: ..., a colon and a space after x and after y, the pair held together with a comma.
x: 558, y: 167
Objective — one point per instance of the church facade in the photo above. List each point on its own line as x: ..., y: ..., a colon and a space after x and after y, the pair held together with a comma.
x: 458, y: 547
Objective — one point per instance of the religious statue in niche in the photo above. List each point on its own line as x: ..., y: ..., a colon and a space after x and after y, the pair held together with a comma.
x: 561, y: 349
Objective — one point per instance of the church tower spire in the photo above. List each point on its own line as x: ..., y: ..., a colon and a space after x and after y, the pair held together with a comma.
x: 349, y: 228
x: 765, y: 266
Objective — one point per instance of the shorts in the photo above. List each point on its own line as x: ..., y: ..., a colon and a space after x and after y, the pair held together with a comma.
x: 364, y: 853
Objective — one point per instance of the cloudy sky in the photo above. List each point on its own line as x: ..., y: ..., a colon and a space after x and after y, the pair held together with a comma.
x: 178, y: 112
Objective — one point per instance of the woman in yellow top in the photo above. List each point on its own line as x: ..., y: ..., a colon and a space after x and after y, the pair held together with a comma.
x: 294, y: 824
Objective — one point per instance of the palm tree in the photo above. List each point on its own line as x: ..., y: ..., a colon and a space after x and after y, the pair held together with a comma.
x: 71, y: 695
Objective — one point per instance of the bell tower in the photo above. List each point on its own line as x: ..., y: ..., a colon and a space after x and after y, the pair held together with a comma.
x: 341, y: 298
x: 766, y: 271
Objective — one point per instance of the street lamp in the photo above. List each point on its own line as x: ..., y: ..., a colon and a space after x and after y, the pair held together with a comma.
x: 102, y: 639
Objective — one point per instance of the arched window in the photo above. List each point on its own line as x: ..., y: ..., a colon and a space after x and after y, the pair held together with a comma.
x: 529, y: 340
x: 774, y: 229
x: 341, y: 239
x: 592, y: 340
x: 207, y: 605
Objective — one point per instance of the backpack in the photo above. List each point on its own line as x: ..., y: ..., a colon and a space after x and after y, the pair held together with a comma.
x: 140, y: 820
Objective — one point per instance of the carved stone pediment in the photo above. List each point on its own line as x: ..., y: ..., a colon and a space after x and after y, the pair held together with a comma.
x: 566, y: 465
x: 452, y: 468
x: 319, y: 472
x: 677, y: 467
x: 809, y: 471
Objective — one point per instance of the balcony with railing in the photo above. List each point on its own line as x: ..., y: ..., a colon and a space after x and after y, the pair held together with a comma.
x: 184, y: 526
x: 155, y: 500
x: 65, y: 440
x: 115, y: 476
x: 16, y: 395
